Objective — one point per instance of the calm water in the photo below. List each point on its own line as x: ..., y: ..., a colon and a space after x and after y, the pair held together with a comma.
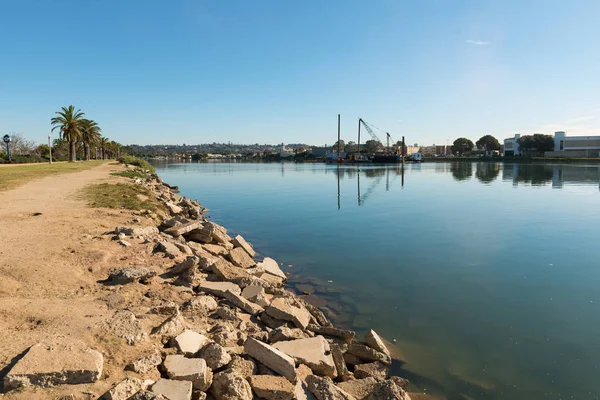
x: 486, y: 275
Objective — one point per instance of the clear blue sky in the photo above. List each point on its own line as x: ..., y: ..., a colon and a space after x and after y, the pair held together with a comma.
x: 281, y: 70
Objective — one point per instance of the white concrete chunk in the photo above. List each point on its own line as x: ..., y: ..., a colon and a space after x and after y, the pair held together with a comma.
x: 239, y: 241
x: 270, y: 266
x: 194, y: 370
x: 60, y: 361
x: 190, y: 342
x: 219, y: 288
x: 314, y: 352
x: 173, y: 390
x: 272, y: 358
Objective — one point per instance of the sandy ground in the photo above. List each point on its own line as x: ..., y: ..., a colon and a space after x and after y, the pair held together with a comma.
x: 50, y: 265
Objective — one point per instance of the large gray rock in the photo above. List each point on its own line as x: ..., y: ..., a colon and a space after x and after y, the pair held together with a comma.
x: 359, y: 388
x: 182, y: 229
x: 255, y: 294
x: 168, y: 248
x: 215, y: 249
x: 147, y: 395
x: 219, y: 288
x: 284, y: 333
x: 201, y: 304
x: 375, y: 370
x: 242, y: 366
x: 272, y: 358
x: 239, y: 241
x: 227, y: 271
x: 190, y: 342
x: 131, y: 274
x: 173, y: 390
x: 373, y: 340
x: 272, y: 387
x: 270, y: 266
x: 187, y: 264
x: 145, y: 364
x: 343, y: 334
x: 388, y: 390
x: 324, y: 389
x: 124, y: 389
x: 137, y: 230
x: 314, y: 352
x: 338, y: 360
x: 366, y: 353
x: 125, y: 325
x: 219, y: 234
x: 215, y: 356
x: 57, y: 362
x: 228, y: 385
x: 240, y: 258
x: 301, y: 390
x: 172, y: 326
x: 286, y: 309
x: 243, y: 304
x: 194, y: 370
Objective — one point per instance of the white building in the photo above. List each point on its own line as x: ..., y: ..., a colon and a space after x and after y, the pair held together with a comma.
x: 511, y: 146
x: 564, y: 146
x: 574, y: 146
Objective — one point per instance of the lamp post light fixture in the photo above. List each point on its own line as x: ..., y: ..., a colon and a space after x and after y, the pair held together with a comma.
x: 50, y: 148
x: 7, y: 140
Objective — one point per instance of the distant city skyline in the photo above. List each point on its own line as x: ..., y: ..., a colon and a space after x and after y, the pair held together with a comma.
x: 271, y: 72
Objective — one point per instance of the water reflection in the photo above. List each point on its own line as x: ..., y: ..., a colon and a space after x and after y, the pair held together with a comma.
x: 461, y: 170
x: 485, y: 173
x: 558, y: 175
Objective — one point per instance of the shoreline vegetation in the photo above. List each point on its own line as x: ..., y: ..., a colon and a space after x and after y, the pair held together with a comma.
x: 193, y: 312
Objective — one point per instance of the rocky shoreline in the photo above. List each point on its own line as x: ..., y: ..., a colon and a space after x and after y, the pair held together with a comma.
x: 222, y: 327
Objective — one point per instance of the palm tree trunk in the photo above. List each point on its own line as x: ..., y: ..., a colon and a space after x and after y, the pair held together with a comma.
x: 72, y: 151
x: 86, y: 152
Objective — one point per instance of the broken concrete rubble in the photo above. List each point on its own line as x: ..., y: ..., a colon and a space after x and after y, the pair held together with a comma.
x: 314, y: 352
x: 193, y: 370
x: 239, y: 241
x: 173, y: 389
x: 240, y: 258
x: 57, y: 362
x: 190, y: 342
x: 373, y: 340
x: 285, y: 309
x: 272, y: 358
x: 272, y: 387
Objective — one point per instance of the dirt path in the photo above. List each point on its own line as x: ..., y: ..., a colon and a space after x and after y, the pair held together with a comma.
x: 50, y: 263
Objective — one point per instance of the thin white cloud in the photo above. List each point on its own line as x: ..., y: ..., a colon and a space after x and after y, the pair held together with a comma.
x: 477, y: 42
x: 581, y: 119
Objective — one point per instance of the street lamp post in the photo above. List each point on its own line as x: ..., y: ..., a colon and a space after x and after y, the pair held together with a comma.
x: 7, y: 140
x: 50, y: 148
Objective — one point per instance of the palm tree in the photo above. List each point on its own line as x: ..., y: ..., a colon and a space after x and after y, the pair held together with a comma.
x: 90, y: 136
x: 69, y: 123
x: 103, y: 147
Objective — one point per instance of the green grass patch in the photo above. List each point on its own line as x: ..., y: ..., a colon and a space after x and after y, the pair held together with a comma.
x: 138, y: 162
x: 121, y: 196
x: 130, y: 174
x: 12, y: 176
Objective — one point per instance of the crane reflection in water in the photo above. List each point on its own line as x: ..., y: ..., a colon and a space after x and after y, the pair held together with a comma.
x: 373, y: 173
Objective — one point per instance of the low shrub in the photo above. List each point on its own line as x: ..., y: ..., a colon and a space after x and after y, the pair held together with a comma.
x: 138, y: 162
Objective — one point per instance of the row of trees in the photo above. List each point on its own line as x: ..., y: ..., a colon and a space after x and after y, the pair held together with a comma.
x: 79, y: 132
x: 487, y: 143
x: 537, y: 143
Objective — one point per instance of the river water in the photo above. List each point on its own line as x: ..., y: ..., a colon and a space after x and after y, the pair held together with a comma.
x: 485, y: 276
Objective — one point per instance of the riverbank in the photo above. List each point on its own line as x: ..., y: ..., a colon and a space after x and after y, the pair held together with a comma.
x: 165, y: 284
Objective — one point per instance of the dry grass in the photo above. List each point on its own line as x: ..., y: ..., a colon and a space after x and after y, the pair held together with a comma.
x: 12, y: 176
x: 121, y: 196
